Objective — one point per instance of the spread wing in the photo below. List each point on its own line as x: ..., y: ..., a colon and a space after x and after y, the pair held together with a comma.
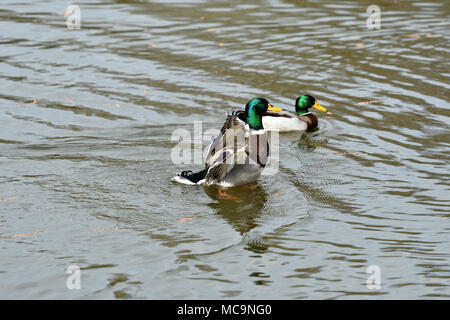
x: 231, y: 138
x: 219, y: 169
x: 255, y: 151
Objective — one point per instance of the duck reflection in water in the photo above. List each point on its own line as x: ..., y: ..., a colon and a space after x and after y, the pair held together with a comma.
x: 240, y: 206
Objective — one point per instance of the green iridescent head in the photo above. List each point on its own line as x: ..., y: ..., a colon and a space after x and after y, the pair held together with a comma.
x: 254, y: 110
x: 304, y: 102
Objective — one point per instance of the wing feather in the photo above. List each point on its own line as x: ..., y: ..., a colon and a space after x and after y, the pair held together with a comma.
x: 219, y: 169
x: 231, y: 137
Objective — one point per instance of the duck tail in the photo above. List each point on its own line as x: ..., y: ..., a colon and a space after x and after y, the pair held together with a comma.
x: 188, y: 177
x: 240, y: 114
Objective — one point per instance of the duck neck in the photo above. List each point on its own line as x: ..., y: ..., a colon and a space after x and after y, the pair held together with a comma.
x: 302, y: 112
x: 254, y: 120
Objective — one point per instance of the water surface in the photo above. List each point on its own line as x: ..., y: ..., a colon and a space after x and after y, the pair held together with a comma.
x: 85, y: 150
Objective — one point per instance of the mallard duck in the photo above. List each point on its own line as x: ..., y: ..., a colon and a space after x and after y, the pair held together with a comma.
x: 301, y: 120
x: 239, y: 153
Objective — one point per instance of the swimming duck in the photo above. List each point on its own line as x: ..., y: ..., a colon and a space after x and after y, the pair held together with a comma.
x: 239, y: 153
x: 301, y: 120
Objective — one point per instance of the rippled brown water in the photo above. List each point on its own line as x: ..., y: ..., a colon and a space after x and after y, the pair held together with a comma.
x: 85, y: 150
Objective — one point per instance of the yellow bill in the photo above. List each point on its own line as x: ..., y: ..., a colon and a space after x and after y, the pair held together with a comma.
x: 272, y: 108
x: 319, y: 107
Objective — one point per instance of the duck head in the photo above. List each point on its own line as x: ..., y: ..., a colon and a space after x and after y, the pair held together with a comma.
x: 254, y: 111
x: 305, y: 102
